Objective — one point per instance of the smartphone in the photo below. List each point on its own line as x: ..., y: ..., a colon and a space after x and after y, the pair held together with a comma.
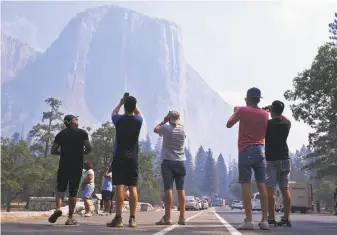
x: 126, y: 94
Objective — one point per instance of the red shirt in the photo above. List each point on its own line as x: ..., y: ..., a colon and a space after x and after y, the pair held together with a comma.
x: 252, y: 127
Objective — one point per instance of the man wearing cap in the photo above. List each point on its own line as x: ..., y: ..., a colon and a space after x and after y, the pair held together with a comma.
x: 252, y: 129
x: 278, y: 161
x: 173, y: 165
x: 71, y: 144
x: 125, y: 157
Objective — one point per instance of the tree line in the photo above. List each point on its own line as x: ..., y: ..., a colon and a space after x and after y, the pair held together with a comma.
x: 28, y: 169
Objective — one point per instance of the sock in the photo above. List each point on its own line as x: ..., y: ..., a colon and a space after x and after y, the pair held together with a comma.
x: 118, y: 217
x: 132, y: 216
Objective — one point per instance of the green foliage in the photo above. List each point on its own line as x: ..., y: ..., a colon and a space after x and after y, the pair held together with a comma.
x: 190, y: 184
x: 146, y: 145
x: 325, y: 192
x: 200, y: 163
x: 43, y: 133
x: 102, y: 140
x: 210, y: 177
x: 148, y: 186
x: 222, y: 176
x: 315, y: 97
x: 22, y: 174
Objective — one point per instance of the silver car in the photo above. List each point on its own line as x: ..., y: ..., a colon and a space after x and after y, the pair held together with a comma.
x: 192, y: 203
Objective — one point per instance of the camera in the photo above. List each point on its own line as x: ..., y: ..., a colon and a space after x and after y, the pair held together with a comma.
x: 126, y: 94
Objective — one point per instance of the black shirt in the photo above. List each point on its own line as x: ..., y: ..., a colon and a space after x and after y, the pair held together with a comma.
x: 127, y: 134
x: 71, y: 141
x: 276, y: 139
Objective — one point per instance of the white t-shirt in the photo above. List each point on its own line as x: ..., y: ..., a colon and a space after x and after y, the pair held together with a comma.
x: 86, y: 173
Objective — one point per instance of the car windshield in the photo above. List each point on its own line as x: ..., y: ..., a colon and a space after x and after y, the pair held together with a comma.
x: 236, y: 201
x: 190, y: 198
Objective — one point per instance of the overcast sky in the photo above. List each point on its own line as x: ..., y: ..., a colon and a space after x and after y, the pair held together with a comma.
x: 233, y: 45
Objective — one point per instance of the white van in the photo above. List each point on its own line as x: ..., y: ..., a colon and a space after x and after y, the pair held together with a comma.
x: 301, y: 197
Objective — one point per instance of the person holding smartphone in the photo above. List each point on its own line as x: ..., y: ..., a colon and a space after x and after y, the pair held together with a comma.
x: 278, y: 161
x: 173, y: 166
x: 125, y: 157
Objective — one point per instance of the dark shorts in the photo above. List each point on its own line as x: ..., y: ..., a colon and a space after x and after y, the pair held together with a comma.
x: 173, y: 171
x: 71, y: 177
x: 107, y: 195
x: 124, y: 172
x: 252, y: 159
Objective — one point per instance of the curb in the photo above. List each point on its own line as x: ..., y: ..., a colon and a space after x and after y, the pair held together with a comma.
x: 25, y: 214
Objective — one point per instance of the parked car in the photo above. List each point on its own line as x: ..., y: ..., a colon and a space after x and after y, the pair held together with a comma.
x: 199, y: 203
x: 204, y: 204
x: 256, y: 204
x: 236, y: 204
x: 191, y: 203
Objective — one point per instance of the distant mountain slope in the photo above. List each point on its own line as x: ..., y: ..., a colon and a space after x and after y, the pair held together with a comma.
x: 15, y: 56
x: 106, y: 51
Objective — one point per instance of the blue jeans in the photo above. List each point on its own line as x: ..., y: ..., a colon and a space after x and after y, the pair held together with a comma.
x: 252, y: 159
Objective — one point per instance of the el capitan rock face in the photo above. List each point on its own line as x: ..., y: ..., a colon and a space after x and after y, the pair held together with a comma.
x: 106, y: 51
x: 15, y: 56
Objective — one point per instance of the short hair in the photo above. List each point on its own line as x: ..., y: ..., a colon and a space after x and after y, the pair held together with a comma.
x: 130, y: 104
x: 277, y: 107
x: 174, y: 116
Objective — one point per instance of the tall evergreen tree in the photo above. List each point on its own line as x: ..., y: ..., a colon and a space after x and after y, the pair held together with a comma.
x: 222, y: 176
x: 210, y: 176
x: 146, y: 145
x: 200, y: 162
x: 157, y: 160
x: 43, y: 133
x: 190, y: 180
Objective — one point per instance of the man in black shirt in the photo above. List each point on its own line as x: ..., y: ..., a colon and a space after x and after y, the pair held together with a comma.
x: 71, y: 144
x: 125, y: 157
x: 278, y: 162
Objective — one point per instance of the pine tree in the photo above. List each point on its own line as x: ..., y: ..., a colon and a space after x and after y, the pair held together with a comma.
x: 146, y: 145
x: 157, y: 160
x: 200, y: 162
x: 190, y: 180
x: 210, y: 176
x: 222, y: 176
x: 42, y: 135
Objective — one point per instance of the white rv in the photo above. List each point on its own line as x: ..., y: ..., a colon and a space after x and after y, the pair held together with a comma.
x: 301, y: 197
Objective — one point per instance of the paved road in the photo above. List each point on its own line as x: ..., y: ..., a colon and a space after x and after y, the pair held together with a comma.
x: 215, y: 221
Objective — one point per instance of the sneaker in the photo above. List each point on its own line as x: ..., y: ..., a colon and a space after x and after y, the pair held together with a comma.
x: 271, y: 221
x: 71, y: 221
x: 164, y: 221
x: 53, y: 218
x: 132, y: 222
x: 246, y: 226
x: 116, y: 222
x: 87, y: 214
x: 264, y: 225
x: 284, y: 221
x: 182, y: 221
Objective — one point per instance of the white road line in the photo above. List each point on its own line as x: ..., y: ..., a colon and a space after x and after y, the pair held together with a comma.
x: 168, y: 229
x: 228, y: 226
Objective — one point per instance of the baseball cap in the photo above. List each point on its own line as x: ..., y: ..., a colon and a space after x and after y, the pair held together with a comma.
x: 254, y: 92
x: 68, y: 118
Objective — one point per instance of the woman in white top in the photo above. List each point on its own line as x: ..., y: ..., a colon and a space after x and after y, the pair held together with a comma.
x: 87, y: 186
